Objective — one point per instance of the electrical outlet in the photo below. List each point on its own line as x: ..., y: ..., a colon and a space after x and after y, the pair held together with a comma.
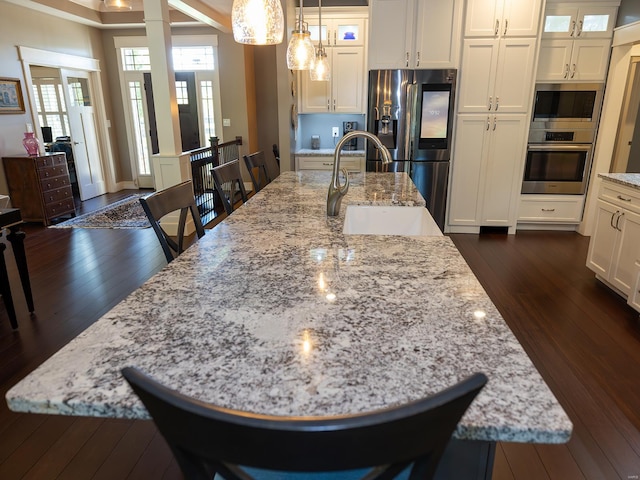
x: 335, y: 132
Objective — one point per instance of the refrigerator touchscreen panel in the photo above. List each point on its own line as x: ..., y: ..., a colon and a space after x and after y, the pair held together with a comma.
x: 434, y: 116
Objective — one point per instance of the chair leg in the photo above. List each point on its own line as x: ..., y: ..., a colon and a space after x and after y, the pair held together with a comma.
x: 5, y: 289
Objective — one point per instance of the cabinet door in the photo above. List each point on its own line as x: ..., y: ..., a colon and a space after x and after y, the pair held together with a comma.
x: 347, y: 80
x: 472, y: 132
x: 437, y: 41
x: 554, y: 61
x: 623, y: 273
x: 514, y: 75
x: 520, y: 18
x: 483, y: 18
x: 590, y: 59
x: 391, y: 24
x: 503, y: 170
x: 596, y: 22
x: 634, y: 295
x: 346, y: 32
x: 314, y: 96
x: 559, y: 22
x: 479, y: 62
x: 603, y: 239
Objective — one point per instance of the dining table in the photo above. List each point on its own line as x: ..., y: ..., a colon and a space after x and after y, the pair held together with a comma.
x: 277, y: 311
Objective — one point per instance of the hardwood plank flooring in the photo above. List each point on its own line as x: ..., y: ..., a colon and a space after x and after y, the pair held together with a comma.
x: 582, y: 337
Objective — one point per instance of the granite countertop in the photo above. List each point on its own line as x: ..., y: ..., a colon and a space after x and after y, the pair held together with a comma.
x: 307, y: 152
x: 275, y: 311
x: 628, y: 179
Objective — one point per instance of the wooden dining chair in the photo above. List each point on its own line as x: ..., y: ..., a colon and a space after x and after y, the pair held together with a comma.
x: 227, y: 177
x: 261, y: 178
x: 206, y: 439
x: 160, y: 203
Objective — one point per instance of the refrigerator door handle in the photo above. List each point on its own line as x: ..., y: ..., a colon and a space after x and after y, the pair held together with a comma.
x: 412, y: 90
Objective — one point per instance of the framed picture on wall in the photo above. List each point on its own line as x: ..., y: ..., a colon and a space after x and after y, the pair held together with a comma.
x: 11, y: 96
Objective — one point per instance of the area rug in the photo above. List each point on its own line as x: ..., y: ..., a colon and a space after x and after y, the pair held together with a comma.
x: 125, y: 213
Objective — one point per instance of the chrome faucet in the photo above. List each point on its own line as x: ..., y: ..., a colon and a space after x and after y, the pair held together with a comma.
x: 337, y: 191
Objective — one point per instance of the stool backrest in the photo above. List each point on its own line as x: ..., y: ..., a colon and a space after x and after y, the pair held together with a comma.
x: 227, y: 177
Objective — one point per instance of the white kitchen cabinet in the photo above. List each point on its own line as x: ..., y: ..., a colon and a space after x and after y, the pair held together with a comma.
x: 577, y: 22
x: 550, y: 209
x: 414, y: 33
x: 337, y: 31
x: 572, y: 60
x: 487, y: 170
x: 634, y: 296
x: 353, y: 163
x: 497, y: 75
x: 502, y: 18
x: 615, y: 244
x: 344, y: 93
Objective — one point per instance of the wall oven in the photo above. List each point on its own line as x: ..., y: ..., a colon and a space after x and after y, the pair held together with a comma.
x: 561, y: 169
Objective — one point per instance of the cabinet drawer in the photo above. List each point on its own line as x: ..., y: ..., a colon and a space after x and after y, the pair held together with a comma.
x: 45, y: 173
x: 352, y: 164
x: 57, y: 209
x: 57, y: 195
x: 50, y: 161
x: 52, y: 183
x: 550, y: 208
x: 620, y: 196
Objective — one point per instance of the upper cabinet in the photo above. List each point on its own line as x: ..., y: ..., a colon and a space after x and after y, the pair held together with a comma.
x: 576, y: 41
x: 579, y: 22
x: 502, y: 18
x: 431, y: 36
x: 344, y: 36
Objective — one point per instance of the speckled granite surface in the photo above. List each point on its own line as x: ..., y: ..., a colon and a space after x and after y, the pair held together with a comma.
x: 276, y: 311
x: 628, y: 179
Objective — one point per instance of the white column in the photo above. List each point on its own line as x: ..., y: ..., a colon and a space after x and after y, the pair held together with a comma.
x: 170, y: 166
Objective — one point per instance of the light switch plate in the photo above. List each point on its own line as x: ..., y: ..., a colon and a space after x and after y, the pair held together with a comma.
x: 226, y: 122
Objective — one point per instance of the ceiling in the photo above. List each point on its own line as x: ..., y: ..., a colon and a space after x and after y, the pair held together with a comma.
x: 216, y: 13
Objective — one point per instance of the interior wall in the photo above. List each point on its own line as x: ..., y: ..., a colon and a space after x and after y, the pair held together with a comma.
x: 628, y: 12
x: 26, y: 27
x: 266, y: 97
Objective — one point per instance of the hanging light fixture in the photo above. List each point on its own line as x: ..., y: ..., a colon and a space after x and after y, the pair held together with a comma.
x: 320, y: 71
x: 257, y: 22
x: 118, y: 5
x: 300, y: 52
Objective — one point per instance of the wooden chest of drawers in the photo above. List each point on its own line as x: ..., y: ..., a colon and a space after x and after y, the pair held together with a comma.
x: 40, y: 187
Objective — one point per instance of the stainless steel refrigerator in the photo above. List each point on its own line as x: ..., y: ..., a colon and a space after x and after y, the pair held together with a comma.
x: 411, y: 112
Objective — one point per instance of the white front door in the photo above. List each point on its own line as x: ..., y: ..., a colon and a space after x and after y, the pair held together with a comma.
x: 84, y: 140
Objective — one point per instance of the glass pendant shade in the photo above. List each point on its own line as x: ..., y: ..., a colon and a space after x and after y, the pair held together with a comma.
x: 301, y: 53
x: 118, y: 4
x: 257, y: 22
x: 320, y: 71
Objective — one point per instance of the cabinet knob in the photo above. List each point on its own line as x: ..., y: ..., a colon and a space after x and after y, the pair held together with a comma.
x: 573, y: 28
x: 497, y: 103
x: 497, y: 27
x: 579, y: 28
x: 417, y: 59
x: 490, y: 102
x: 566, y: 70
x: 506, y: 26
x: 573, y: 70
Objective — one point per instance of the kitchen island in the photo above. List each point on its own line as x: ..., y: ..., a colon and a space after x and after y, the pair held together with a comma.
x: 276, y: 311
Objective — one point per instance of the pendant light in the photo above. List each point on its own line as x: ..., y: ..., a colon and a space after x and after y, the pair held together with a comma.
x: 320, y: 71
x: 300, y: 52
x: 118, y: 5
x: 257, y: 22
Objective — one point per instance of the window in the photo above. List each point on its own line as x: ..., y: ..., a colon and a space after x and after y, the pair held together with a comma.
x: 52, y: 111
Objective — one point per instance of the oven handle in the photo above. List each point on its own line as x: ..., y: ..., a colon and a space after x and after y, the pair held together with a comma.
x: 544, y: 147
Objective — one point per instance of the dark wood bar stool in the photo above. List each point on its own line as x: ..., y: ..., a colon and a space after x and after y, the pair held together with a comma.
x: 10, y: 218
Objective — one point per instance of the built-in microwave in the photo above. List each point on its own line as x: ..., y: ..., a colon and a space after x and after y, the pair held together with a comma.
x: 562, y: 107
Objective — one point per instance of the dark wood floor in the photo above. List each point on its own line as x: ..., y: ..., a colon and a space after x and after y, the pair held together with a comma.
x: 582, y: 337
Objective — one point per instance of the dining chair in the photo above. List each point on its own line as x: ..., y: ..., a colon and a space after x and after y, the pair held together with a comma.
x: 257, y: 161
x: 226, y: 178
x: 160, y: 203
x: 276, y: 153
x: 208, y: 440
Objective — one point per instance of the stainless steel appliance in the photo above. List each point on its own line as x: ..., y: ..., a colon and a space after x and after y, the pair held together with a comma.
x: 561, y: 135
x: 411, y: 112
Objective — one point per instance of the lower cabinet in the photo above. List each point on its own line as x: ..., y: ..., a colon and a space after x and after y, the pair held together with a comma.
x: 353, y: 164
x: 634, y: 296
x: 551, y: 209
x: 614, y: 247
x: 487, y: 171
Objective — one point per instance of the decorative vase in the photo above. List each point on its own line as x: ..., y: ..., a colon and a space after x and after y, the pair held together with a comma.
x: 31, y: 144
